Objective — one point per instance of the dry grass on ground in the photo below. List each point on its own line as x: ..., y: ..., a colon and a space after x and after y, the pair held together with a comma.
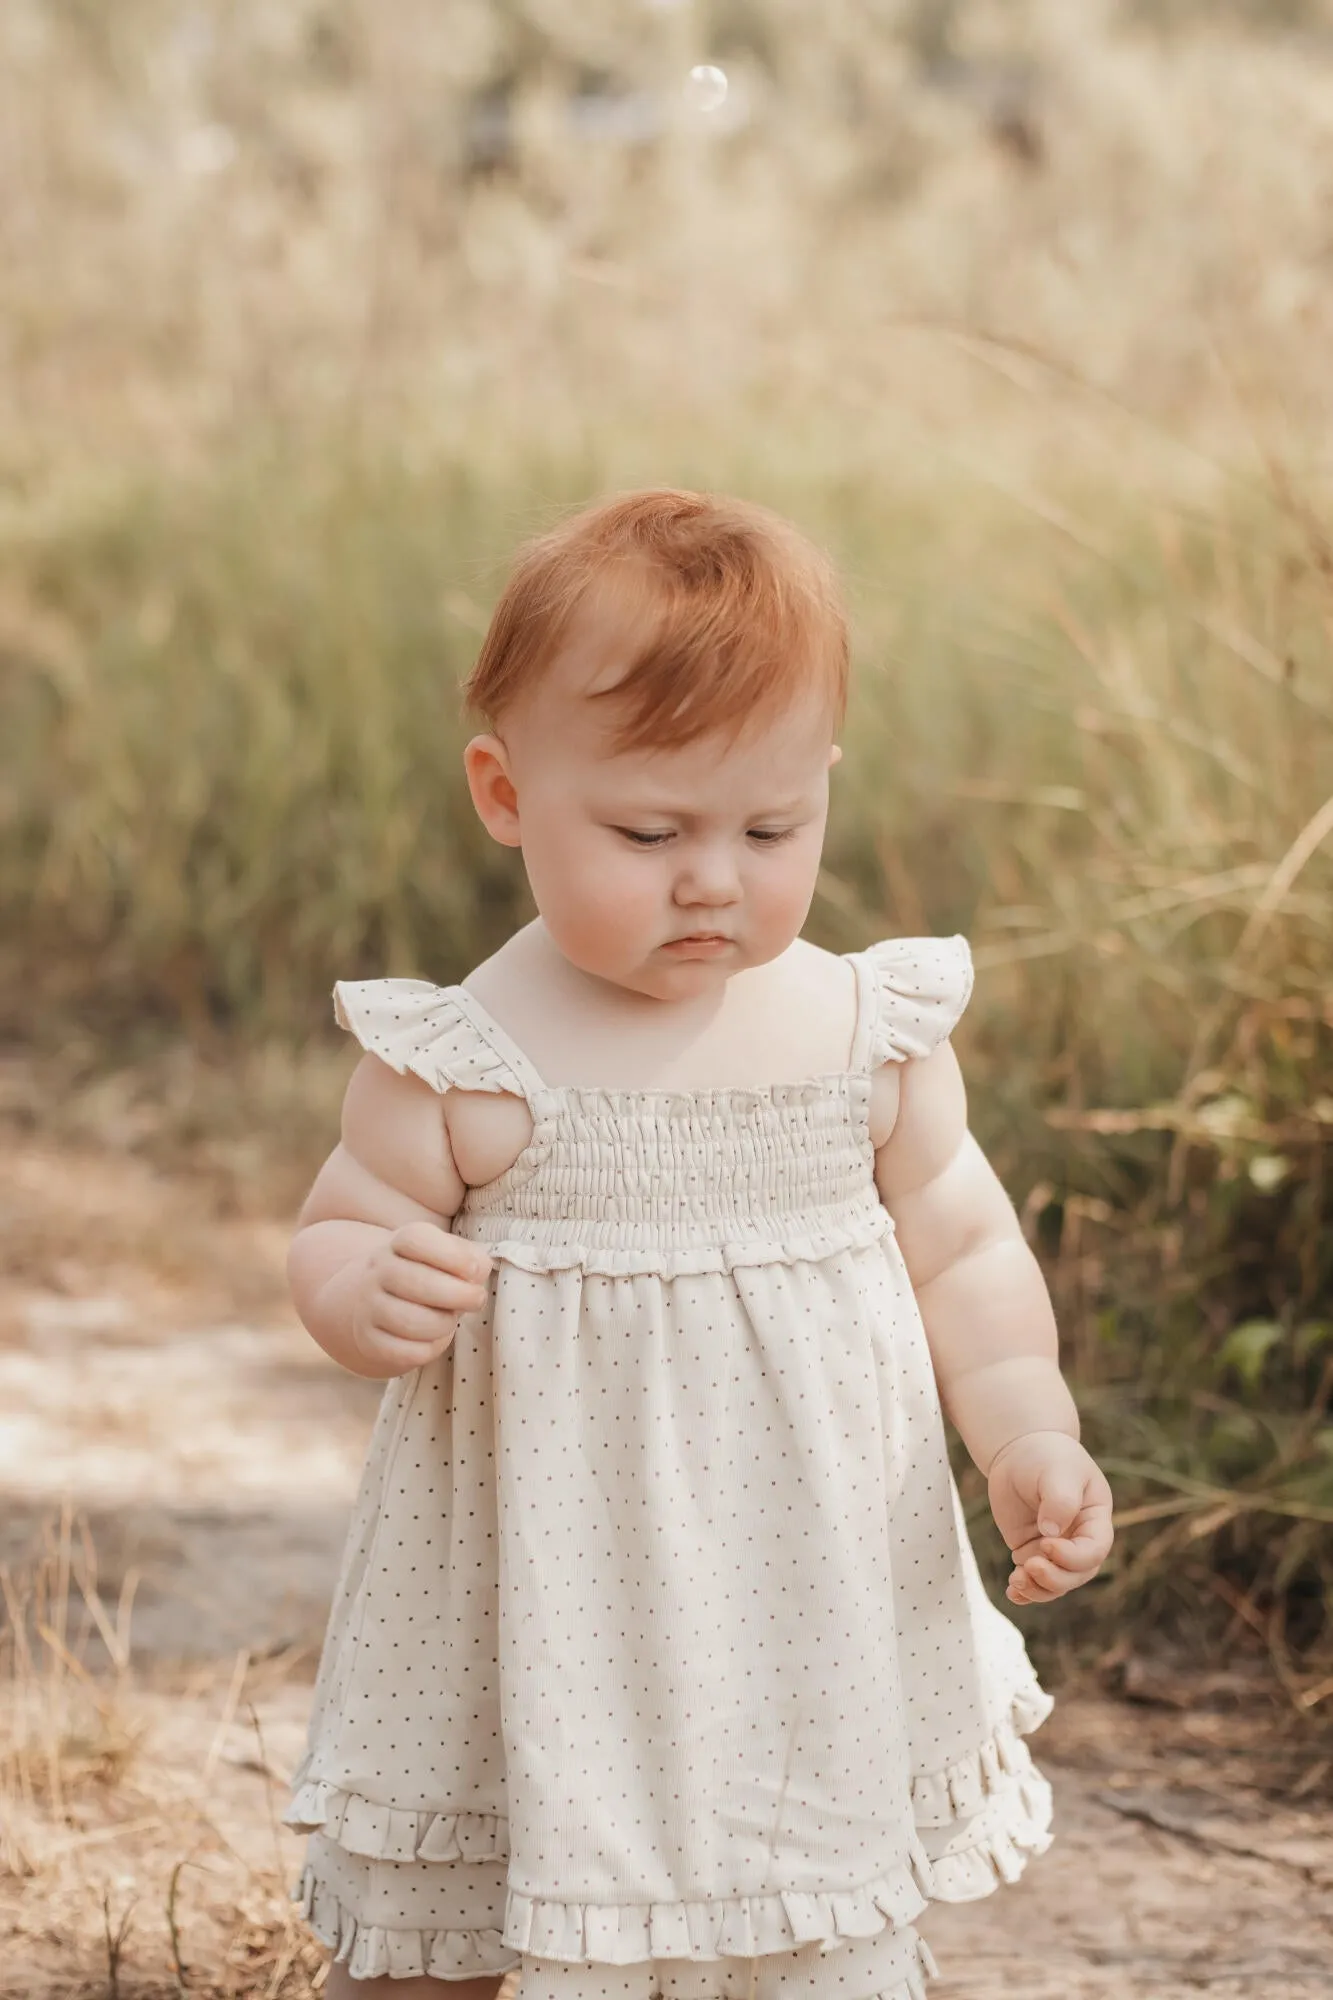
x: 140, y: 1852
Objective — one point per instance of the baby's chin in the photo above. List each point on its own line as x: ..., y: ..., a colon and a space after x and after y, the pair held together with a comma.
x: 668, y: 966
x: 668, y: 973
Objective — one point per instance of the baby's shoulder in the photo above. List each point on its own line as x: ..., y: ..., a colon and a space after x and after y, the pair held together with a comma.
x: 806, y: 1006
x: 893, y: 1000
x: 810, y: 966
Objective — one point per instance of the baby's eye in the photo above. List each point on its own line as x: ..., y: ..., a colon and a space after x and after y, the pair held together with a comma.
x: 640, y: 839
x: 771, y: 835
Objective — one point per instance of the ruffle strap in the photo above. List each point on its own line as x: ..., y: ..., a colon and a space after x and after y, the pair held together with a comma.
x: 741, y: 1927
x: 369, y: 1951
x: 917, y: 989
x: 390, y: 1833
x: 431, y: 1031
x: 940, y: 1798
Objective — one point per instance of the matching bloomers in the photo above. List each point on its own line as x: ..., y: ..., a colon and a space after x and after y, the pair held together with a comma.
x: 659, y: 1662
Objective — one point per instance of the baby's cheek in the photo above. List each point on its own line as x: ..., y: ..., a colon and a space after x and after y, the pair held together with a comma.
x: 780, y: 896
x: 601, y: 915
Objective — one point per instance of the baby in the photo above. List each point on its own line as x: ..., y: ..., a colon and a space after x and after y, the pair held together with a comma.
x: 659, y: 1661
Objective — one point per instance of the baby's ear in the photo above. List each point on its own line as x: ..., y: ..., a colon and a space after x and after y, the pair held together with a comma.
x: 486, y: 763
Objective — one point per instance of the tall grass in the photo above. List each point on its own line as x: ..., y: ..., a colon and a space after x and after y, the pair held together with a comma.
x: 1024, y: 312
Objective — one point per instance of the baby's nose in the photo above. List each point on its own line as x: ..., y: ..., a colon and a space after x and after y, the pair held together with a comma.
x: 710, y: 879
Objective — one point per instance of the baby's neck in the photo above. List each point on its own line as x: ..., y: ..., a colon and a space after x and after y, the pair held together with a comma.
x: 789, y: 1018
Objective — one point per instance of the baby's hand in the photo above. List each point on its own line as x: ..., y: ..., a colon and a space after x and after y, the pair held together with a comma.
x: 1052, y: 1504
x: 413, y: 1292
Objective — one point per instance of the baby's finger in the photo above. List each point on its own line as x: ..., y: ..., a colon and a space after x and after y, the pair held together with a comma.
x: 425, y: 1285
x: 399, y: 1357
x: 402, y: 1320
x: 1021, y: 1590
x: 1069, y: 1574
x: 1048, y: 1577
x: 1084, y: 1550
x: 1030, y: 1586
x: 1060, y: 1578
x: 426, y: 1243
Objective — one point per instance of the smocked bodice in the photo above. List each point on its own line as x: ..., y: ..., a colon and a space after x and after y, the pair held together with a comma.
x: 686, y: 1175
x: 673, y: 1181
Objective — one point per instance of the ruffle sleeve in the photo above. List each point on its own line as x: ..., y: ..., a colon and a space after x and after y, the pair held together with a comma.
x: 413, y: 1025
x: 916, y: 990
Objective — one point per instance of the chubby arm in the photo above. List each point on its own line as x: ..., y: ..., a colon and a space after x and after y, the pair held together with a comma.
x: 984, y: 1303
x: 375, y: 1276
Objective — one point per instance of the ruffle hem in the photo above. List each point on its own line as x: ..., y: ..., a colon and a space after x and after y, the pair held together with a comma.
x: 392, y: 1833
x: 369, y: 1951
x: 739, y: 1927
x: 993, y: 1802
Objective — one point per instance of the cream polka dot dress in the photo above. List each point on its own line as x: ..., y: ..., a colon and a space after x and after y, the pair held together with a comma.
x: 659, y: 1661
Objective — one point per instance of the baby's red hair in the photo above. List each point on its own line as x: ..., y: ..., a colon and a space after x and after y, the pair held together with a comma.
x: 731, y: 613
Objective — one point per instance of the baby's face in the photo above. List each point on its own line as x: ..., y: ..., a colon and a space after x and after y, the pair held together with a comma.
x: 661, y: 871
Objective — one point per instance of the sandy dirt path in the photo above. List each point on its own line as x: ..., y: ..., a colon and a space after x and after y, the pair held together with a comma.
x: 155, y: 1385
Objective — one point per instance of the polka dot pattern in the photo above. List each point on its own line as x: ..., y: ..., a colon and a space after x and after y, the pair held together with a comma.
x: 659, y: 1650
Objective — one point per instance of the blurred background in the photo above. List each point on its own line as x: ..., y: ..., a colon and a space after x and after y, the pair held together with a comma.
x: 311, y: 309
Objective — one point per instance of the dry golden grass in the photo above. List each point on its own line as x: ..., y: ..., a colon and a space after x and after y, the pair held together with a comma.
x: 65, y: 1732
x: 125, y: 1867
x: 250, y: 214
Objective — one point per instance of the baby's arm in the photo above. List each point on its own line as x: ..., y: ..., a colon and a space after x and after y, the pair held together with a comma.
x: 984, y: 1303
x: 992, y: 1337
x: 376, y: 1276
